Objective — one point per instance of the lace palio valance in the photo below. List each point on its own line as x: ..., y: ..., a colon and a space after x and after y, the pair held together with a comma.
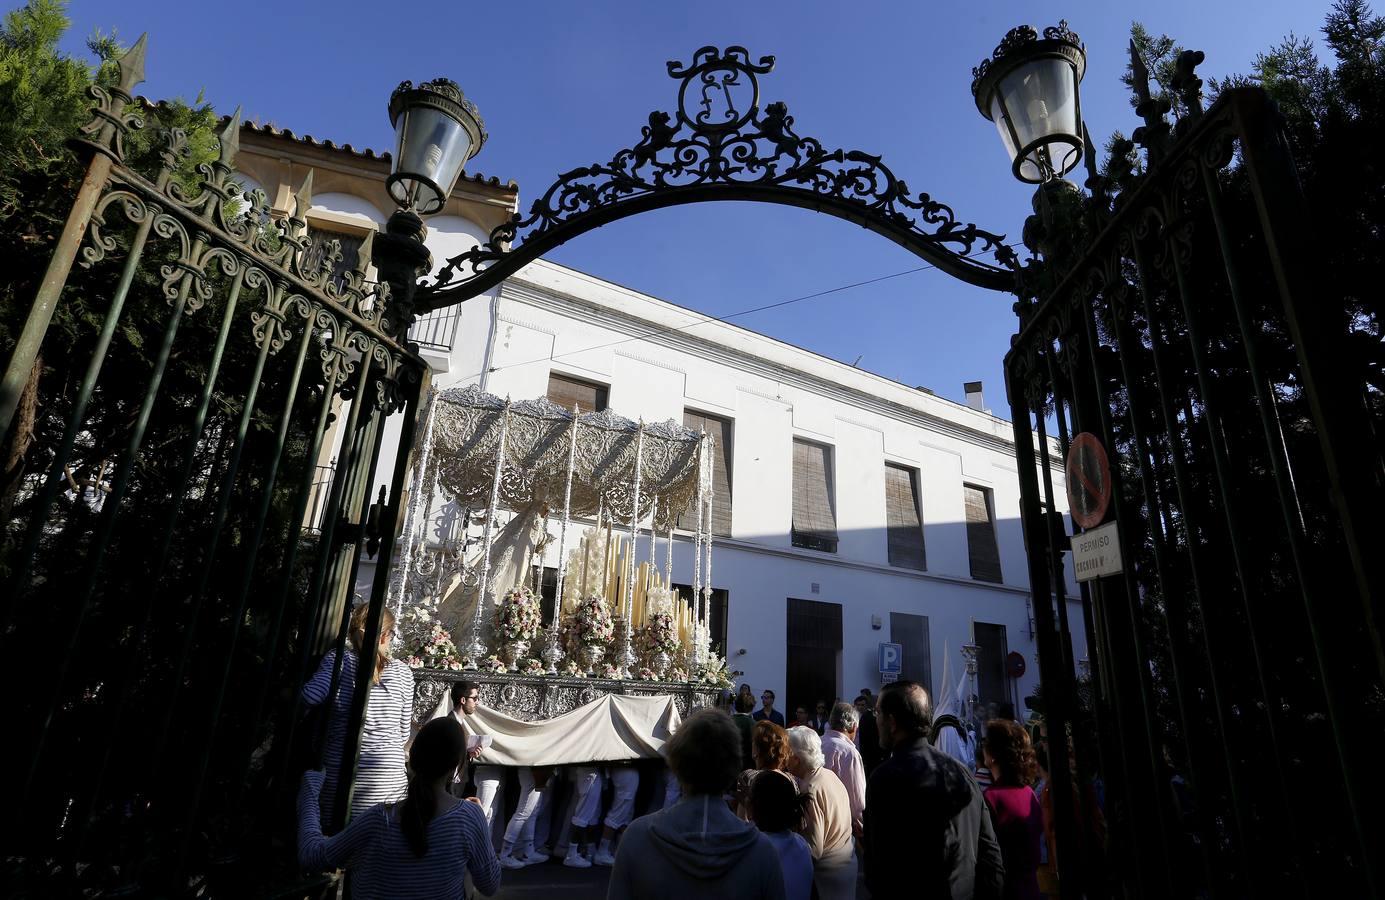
x: 467, y: 429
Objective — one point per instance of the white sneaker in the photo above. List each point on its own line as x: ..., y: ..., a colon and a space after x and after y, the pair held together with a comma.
x: 511, y: 862
x: 604, y: 859
x: 576, y: 861
x: 534, y: 857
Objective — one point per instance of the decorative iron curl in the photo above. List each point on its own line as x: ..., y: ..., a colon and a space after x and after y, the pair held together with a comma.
x: 721, y: 144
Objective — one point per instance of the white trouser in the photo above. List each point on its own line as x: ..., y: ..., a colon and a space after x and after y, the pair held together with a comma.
x: 673, y: 792
x: 539, y: 823
x: 625, y: 781
x: 587, y: 788
x: 488, y: 780
x: 521, y: 828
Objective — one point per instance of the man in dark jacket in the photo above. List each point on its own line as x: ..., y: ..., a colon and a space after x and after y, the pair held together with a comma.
x: 769, y: 712
x: 744, y: 704
x: 868, y: 735
x: 927, y: 831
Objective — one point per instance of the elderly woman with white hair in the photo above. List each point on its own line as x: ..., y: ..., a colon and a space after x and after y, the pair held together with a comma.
x: 827, y: 817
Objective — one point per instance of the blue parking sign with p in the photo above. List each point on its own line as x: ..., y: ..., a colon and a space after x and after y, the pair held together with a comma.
x: 891, y: 658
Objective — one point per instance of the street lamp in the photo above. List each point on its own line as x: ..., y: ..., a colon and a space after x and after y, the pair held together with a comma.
x: 437, y: 130
x: 1029, y: 89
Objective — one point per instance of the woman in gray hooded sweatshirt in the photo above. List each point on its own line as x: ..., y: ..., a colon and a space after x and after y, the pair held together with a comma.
x: 697, y: 847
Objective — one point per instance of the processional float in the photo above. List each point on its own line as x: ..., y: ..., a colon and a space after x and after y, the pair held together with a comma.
x: 491, y: 477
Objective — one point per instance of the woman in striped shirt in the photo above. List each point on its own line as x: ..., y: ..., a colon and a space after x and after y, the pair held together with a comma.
x: 421, y: 848
x: 380, y: 775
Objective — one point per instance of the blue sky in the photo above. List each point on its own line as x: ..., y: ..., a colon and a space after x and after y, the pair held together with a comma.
x: 563, y: 84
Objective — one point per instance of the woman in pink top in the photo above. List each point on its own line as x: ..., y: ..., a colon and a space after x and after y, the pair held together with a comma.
x: 1019, y: 820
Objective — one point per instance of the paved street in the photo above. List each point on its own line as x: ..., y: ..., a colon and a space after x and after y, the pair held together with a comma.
x: 548, y: 879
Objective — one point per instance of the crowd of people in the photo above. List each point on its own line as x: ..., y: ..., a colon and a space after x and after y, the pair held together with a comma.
x: 744, y: 807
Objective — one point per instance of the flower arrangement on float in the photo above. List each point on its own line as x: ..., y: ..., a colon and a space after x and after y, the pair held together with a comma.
x: 532, y: 666
x: 646, y: 674
x: 593, y: 621
x: 495, y: 665
x: 714, y: 672
x: 573, y: 670
x: 610, y: 671
x: 433, y: 648
x: 658, y: 634
x: 678, y: 673
x: 517, y: 615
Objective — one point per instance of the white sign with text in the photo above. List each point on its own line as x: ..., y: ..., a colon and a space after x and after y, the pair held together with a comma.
x: 1097, y: 552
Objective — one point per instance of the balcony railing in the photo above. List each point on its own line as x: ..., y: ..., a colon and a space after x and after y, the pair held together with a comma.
x: 436, y: 330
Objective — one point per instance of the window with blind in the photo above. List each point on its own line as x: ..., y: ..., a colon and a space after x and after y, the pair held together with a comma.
x: 720, y: 431
x: 586, y: 395
x: 319, y: 241
x: 903, y: 524
x: 814, y: 517
x: 981, y: 545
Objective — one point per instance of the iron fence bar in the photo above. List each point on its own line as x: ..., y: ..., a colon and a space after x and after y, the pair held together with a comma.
x: 1175, y: 614
x: 1224, y: 479
x: 137, y: 640
x: 344, y: 578
x: 325, y: 544
x: 1099, y: 645
x: 1293, y: 524
x: 326, y: 549
x: 1065, y: 669
x: 76, y: 418
x: 248, y: 575
x: 1355, y: 472
x: 1339, y: 420
x: 199, y: 593
x: 392, y: 521
x: 1125, y: 535
x: 280, y: 605
x: 1050, y: 657
x: 195, y: 432
x: 1190, y: 519
x: 1137, y: 781
x: 106, y: 525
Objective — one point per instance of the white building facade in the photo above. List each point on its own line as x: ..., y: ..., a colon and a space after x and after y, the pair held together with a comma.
x: 850, y: 510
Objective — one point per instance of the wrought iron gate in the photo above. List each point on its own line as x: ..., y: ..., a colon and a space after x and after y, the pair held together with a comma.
x: 162, y: 598
x: 1236, y: 679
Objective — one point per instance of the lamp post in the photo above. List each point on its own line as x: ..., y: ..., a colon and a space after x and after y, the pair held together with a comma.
x: 1029, y: 89
x: 437, y: 129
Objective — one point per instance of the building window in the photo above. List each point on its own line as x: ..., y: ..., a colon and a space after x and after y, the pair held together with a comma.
x: 720, y: 431
x: 813, y: 656
x: 717, y: 612
x: 910, y: 632
x: 903, y: 524
x: 992, y: 682
x: 567, y: 392
x: 981, y: 545
x: 319, y: 241
x: 814, y: 518
x: 548, y: 593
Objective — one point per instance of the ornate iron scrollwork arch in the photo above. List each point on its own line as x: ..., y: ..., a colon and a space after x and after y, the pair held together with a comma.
x: 721, y: 145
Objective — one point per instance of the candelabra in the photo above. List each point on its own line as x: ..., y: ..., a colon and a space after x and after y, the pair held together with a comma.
x: 970, y: 653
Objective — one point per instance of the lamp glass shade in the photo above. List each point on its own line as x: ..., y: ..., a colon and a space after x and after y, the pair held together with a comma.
x: 431, y: 148
x: 1035, y: 109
